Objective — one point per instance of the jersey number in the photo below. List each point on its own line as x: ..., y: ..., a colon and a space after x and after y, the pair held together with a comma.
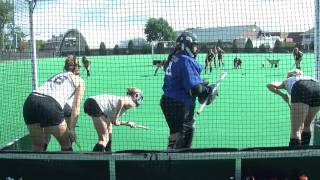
x: 168, y: 70
x: 59, y: 80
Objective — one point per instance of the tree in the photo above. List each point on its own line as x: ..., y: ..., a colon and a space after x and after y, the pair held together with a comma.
x: 23, y: 45
x: 263, y: 48
x: 235, y: 46
x: 39, y: 44
x: 102, y: 49
x: 116, y: 49
x: 159, y: 30
x: 146, y: 48
x: 6, y: 17
x: 160, y: 47
x: 249, y: 46
x: 17, y: 35
x: 130, y: 46
x: 87, y: 50
x: 311, y: 47
x: 277, y: 46
x: 220, y: 44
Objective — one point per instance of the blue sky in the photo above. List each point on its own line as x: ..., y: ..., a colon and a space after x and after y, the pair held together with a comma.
x: 111, y: 21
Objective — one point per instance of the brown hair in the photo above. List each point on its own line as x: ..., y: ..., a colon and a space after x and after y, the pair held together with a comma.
x: 133, y: 90
x: 70, y: 62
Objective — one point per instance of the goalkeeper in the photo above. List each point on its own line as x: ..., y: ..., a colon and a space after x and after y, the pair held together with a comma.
x: 182, y: 84
x: 105, y: 110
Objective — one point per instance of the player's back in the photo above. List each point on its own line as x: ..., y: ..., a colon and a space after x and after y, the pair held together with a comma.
x: 60, y: 87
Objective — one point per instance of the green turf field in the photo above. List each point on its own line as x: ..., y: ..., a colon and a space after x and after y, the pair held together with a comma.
x: 245, y: 114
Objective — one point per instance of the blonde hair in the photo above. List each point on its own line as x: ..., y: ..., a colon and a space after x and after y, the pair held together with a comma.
x: 294, y: 72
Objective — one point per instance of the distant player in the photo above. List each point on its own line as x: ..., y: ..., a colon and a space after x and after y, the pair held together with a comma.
x: 86, y: 64
x: 220, y: 56
x: 106, y: 110
x: 158, y: 64
x: 237, y: 63
x: 297, y: 57
x: 211, y: 55
x: 42, y: 110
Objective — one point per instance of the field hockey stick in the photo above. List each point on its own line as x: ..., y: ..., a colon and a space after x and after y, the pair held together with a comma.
x: 78, y: 144
x: 214, y: 92
x: 130, y: 123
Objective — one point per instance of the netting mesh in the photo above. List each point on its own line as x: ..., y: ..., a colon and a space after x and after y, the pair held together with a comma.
x: 126, y: 41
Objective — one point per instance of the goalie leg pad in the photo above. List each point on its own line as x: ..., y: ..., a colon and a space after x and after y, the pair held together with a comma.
x: 186, y: 137
x: 172, y: 140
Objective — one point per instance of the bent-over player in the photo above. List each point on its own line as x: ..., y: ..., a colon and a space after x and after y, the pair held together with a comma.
x: 105, y: 110
x: 43, y: 108
x: 304, y: 105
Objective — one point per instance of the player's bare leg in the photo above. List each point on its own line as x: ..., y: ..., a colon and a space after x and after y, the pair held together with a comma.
x: 297, y: 62
x: 298, y: 113
x: 306, y: 132
x: 37, y: 136
x: 61, y: 133
x: 47, y: 138
x: 108, y: 147
x: 101, y: 127
x: 206, y: 66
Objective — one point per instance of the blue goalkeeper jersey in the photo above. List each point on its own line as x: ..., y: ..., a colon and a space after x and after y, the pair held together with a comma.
x: 181, y: 74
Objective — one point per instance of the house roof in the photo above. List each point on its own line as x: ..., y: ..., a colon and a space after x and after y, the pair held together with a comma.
x: 228, y: 33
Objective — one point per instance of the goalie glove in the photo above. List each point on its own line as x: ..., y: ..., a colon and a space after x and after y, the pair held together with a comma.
x: 208, y: 95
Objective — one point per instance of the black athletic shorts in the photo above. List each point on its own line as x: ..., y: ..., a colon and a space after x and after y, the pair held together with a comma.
x: 92, y: 108
x: 42, y: 109
x: 209, y: 59
x: 67, y: 111
x: 307, y: 92
x: 176, y: 113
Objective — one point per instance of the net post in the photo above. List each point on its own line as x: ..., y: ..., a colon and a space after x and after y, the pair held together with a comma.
x: 32, y: 4
x: 316, y: 127
x: 317, y: 38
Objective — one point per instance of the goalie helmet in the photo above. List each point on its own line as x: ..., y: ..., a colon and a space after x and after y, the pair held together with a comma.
x: 186, y: 42
x: 136, y: 94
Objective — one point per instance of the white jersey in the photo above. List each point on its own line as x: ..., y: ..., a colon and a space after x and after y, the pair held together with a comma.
x: 70, y: 101
x: 108, y: 104
x: 60, y: 87
x: 292, y: 80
